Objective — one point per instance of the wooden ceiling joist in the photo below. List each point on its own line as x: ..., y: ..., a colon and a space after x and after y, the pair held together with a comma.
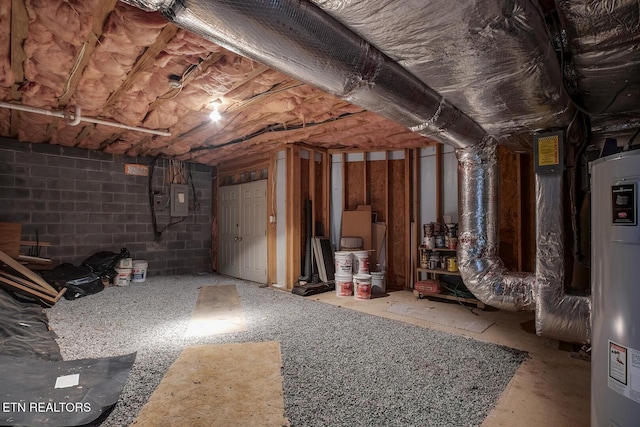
x: 146, y: 61
x: 19, y: 32
x: 100, y: 15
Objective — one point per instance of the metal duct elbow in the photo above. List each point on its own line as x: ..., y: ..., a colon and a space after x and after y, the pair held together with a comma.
x: 300, y: 40
x: 480, y: 266
x: 558, y: 315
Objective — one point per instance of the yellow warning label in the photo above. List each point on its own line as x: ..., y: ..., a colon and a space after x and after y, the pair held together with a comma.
x: 548, y: 151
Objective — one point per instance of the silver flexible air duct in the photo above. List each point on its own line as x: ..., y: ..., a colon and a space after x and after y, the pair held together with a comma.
x: 604, y: 36
x: 480, y: 266
x: 298, y: 39
x: 493, y: 59
x: 563, y: 317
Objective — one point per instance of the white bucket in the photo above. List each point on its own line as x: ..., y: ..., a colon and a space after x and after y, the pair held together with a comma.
x: 343, y: 262
x: 344, y: 285
x: 140, y: 271
x: 123, y: 277
x: 362, y: 262
x: 362, y: 286
x: 378, y: 285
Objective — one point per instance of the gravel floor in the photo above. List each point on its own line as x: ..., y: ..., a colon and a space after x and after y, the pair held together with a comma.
x: 340, y: 367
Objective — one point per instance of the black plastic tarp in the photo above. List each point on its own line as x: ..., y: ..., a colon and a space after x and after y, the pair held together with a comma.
x: 67, y: 393
x: 24, y: 330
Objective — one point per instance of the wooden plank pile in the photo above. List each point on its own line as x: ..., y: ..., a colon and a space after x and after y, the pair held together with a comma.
x: 18, y: 278
x: 323, y: 256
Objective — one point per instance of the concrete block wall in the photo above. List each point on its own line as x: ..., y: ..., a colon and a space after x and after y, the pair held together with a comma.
x: 81, y: 201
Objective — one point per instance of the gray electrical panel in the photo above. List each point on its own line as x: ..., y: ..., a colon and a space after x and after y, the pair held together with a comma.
x: 179, y: 200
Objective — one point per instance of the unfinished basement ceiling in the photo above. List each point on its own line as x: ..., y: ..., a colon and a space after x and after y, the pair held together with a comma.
x: 492, y: 59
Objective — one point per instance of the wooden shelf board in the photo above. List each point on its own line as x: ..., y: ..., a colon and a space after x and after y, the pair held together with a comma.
x: 439, y: 271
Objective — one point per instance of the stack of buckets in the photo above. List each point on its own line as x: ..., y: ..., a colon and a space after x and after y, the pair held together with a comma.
x: 128, y: 270
x: 352, y: 275
x: 123, y: 272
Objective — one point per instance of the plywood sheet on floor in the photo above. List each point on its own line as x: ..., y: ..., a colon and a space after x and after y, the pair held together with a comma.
x: 218, y: 311
x: 220, y: 385
x: 460, y: 320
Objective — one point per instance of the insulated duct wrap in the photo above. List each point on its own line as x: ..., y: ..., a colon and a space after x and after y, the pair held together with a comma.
x: 604, y: 36
x: 560, y: 316
x: 480, y: 266
x: 492, y: 59
x: 300, y: 40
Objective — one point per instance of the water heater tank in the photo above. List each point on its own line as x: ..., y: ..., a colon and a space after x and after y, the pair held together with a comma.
x: 615, y: 284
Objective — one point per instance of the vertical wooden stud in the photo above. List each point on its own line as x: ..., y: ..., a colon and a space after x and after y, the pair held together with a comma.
x: 386, y: 213
x: 408, y: 204
x: 365, y: 187
x: 312, y: 190
x: 439, y: 182
x: 293, y: 215
x: 272, y: 259
x: 326, y: 195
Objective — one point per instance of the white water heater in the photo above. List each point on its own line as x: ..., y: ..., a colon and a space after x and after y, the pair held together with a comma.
x: 615, y: 284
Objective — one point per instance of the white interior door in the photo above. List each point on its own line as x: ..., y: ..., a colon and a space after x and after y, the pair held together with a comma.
x: 242, y: 234
x: 253, y: 231
x: 229, y: 231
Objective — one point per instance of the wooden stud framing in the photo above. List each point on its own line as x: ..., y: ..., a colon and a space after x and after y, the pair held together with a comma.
x: 439, y: 183
x: 19, y: 32
x: 407, y: 217
x: 365, y: 187
x: 343, y: 158
x: 100, y: 15
x: 417, y: 235
x: 293, y: 215
x: 386, y: 212
x: 326, y: 196
x: 312, y: 190
x: 215, y: 213
x: 272, y: 249
x: 146, y: 60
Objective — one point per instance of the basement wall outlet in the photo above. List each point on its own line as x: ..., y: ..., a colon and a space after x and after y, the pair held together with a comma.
x: 159, y: 202
x: 272, y: 219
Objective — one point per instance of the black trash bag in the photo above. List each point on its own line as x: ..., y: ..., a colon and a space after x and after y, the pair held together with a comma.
x: 103, y: 263
x: 79, y: 280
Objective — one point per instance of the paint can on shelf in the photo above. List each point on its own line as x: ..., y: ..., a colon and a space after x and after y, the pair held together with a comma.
x: 452, y: 243
x: 452, y: 264
x: 440, y: 241
x: 343, y: 262
x: 362, y: 262
x: 429, y: 242
x: 434, y: 261
x: 344, y: 284
x: 123, y: 276
x: 362, y: 286
x: 139, y: 271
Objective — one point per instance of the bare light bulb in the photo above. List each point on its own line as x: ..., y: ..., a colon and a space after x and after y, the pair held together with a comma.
x: 215, y: 115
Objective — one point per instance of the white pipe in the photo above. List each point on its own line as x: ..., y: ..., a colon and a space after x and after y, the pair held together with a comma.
x: 77, y: 118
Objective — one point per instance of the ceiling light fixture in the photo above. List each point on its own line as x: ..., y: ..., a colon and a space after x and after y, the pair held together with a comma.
x: 215, y: 115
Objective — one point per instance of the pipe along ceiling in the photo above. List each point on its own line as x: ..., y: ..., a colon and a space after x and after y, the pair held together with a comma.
x: 492, y: 60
